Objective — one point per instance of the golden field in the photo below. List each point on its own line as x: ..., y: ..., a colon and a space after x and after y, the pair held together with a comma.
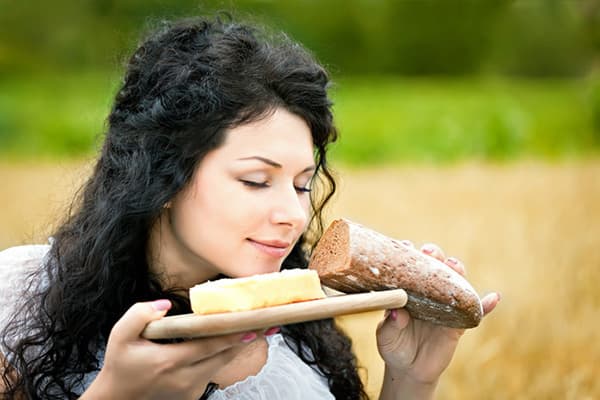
x: 529, y: 230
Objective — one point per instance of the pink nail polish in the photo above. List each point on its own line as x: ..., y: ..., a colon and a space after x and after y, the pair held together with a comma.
x: 161, y: 305
x: 249, y: 337
x: 272, y: 331
x: 394, y: 315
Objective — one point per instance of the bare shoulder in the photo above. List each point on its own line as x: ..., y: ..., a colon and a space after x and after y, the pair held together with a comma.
x: 11, y: 377
x: 2, y: 369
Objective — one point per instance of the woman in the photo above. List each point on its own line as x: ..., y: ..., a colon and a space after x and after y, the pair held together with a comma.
x: 215, y: 140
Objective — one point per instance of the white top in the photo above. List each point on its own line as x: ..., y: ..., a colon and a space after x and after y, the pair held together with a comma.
x: 284, y: 376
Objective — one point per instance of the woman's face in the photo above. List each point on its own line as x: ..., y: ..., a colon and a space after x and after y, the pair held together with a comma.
x: 246, y: 206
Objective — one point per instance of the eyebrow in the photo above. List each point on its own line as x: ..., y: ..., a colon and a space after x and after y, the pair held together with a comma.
x: 273, y: 163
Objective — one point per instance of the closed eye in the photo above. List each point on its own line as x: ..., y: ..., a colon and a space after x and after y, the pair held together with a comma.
x: 258, y: 185
x: 253, y: 184
x: 303, y: 189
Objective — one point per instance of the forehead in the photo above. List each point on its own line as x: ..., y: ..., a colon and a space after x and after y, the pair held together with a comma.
x: 281, y: 134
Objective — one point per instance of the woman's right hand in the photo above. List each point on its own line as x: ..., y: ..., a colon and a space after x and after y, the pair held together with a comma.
x: 136, y: 368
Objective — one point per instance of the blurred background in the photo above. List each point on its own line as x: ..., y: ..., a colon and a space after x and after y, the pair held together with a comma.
x: 472, y: 124
x: 504, y: 79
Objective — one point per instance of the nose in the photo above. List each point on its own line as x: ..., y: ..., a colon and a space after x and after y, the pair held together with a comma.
x: 290, y: 208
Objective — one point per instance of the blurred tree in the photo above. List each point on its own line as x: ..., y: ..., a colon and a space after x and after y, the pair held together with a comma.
x: 532, y: 37
x: 542, y: 38
x: 590, y: 12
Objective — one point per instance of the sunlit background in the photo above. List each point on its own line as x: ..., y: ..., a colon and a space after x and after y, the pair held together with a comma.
x: 472, y: 124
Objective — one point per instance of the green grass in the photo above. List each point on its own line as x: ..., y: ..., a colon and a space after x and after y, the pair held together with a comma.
x: 54, y: 116
x: 399, y: 120
x: 382, y: 120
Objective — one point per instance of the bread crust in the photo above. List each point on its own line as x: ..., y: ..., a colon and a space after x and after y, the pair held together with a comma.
x: 352, y: 258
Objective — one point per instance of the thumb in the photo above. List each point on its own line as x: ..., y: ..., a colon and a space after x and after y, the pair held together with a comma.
x: 130, y: 326
x: 394, y: 322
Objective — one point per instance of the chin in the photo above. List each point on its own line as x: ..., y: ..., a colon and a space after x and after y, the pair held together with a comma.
x: 259, y: 269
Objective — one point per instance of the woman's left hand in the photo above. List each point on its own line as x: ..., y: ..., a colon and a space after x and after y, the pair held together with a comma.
x: 416, y: 350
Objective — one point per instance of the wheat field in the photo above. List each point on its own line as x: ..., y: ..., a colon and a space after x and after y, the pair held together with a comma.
x: 529, y: 230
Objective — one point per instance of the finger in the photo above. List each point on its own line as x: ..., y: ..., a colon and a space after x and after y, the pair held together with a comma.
x: 196, y: 350
x: 489, y: 302
x: 271, y: 331
x: 434, y: 251
x: 130, y: 326
x: 192, y: 380
x: 209, y: 367
x: 407, y: 243
x: 217, y: 360
x: 456, y: 265
x: 390, y: 328
x: 397, y: 317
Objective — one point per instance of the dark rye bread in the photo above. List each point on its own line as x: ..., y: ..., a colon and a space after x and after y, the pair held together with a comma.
x: 352, y: 258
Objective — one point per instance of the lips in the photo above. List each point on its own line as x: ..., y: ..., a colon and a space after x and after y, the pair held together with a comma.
x: 273, y: 248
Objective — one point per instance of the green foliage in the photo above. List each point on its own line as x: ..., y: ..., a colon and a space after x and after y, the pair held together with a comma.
x: 440, y: 120
x: 409, y: 37
x: 594, y: 108
x: 381, y: 119
x: 53, y: 116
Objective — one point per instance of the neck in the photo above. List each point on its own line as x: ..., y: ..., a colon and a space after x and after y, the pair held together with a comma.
x: 175, y: 265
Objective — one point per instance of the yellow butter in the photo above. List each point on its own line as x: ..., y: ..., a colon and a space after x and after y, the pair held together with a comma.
x: 257, y: 291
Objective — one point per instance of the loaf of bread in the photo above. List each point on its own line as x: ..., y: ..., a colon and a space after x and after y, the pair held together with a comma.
x: 257, y: 291
x: 352, y: 258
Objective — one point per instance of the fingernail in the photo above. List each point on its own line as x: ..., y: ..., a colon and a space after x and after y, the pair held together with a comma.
x: 498, y: 296
x: 272, y: 331
x: 161, y: 305
x: 394, y: 315
x: 427, y: 249
x: 249, y: 337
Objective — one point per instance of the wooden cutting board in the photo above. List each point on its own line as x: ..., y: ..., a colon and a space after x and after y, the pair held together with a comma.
x: 194, y: 325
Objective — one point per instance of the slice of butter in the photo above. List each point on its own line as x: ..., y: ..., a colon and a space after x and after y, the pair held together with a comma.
x: 257, y: 291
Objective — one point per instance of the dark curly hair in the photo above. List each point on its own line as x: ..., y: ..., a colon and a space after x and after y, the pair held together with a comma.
x: 185, y: 85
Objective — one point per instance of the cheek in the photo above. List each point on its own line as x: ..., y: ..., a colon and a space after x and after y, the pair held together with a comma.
x: 306, y: 203
x: 224, y: 208
x: 205, y: 226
